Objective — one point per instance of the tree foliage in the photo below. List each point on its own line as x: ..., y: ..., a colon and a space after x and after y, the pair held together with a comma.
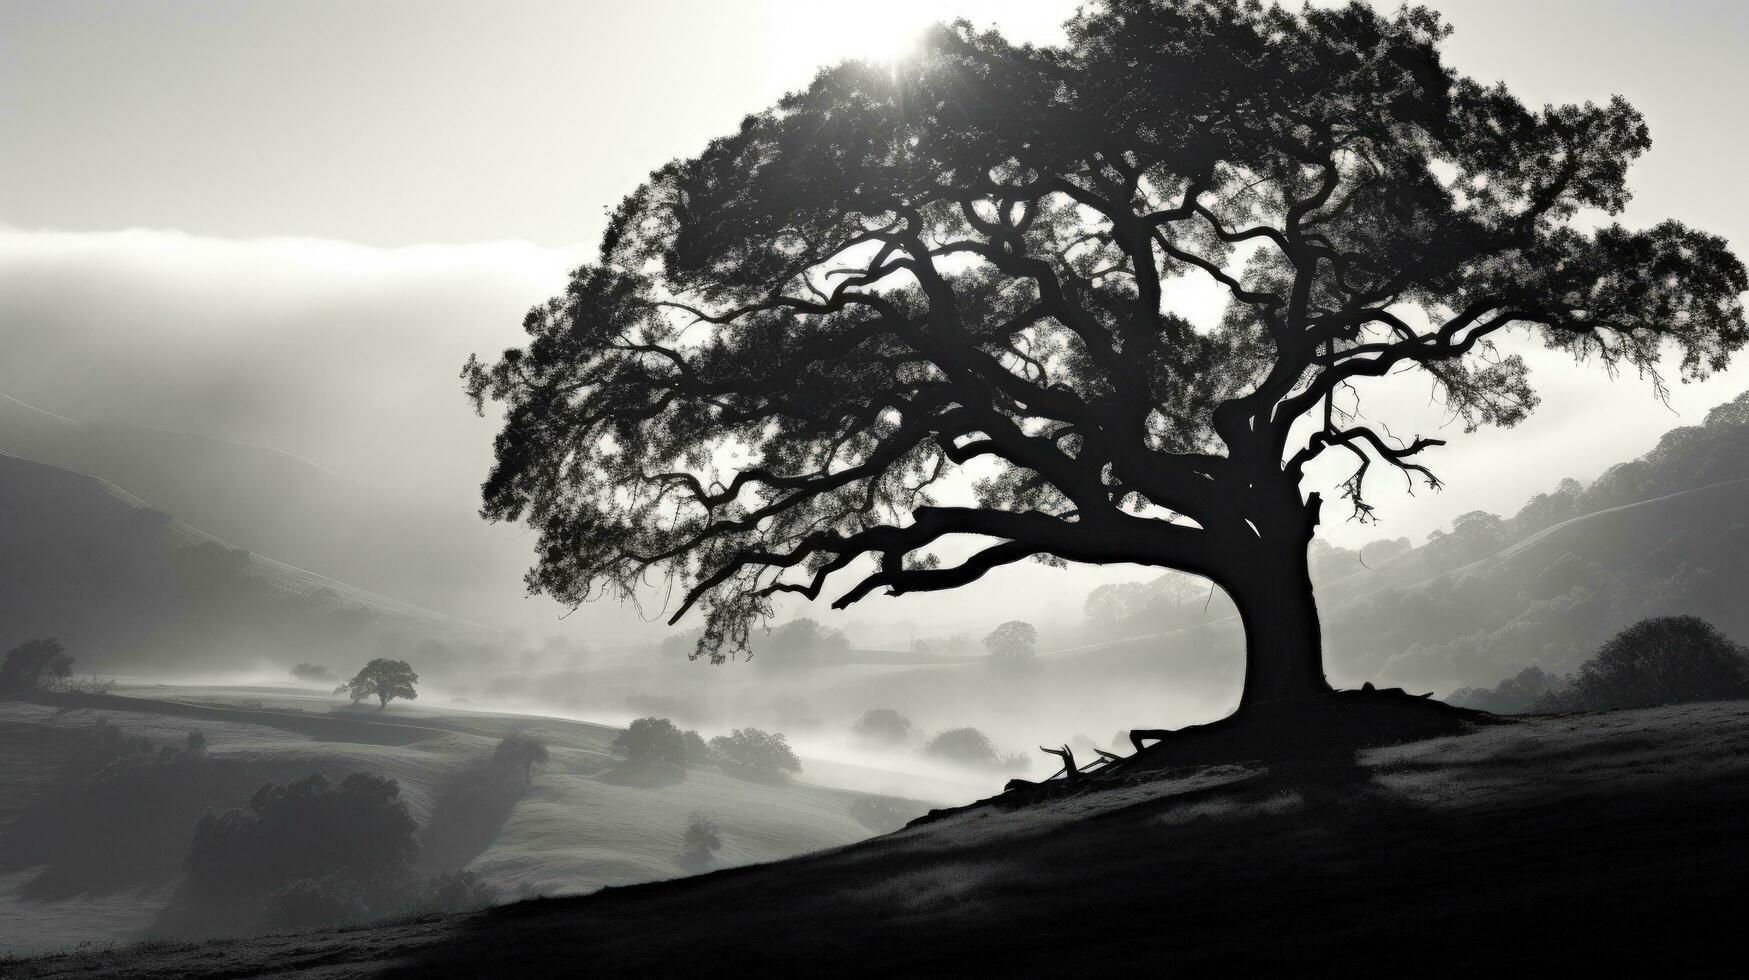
x: 883, y: 725
x: 358, y: 831
x: 799, y: 645
x: 652, y: 743
x: 700, y: 843
x: 35, y: 665
x: 1012, y: 644
x: 789, y: 339
x: 385, y: 680
x: 314, y: 673
x: 1663, y: 660
x: 519, y: 752
x: 1518, y: 693
x: 754, y: 752
x: 970, y: 747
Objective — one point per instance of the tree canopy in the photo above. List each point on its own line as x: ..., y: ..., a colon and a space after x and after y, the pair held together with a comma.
x: 752, y: 751
x: 385, y: 680
x: 1662, y: 660
x: 34, y: 665
x: 974, y: 257
x: 652, y: 743
x: 1012, y: 643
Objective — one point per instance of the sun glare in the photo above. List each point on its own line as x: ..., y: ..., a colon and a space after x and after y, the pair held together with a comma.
x: 824, y: 32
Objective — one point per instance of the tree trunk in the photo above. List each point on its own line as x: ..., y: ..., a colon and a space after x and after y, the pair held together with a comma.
x: 1284, y: 652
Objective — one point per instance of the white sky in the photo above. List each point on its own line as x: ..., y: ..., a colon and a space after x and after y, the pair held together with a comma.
x: 296, y: 163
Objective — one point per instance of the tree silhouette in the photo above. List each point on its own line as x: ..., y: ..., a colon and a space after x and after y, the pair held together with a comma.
x: 977, y: 254
x: 700, y: 843
x: 520, y: 751
x: 755, y: 752
x: 35, y: 665
x: 1662, y: 660
x: 358, y: 830
x: 652, y: 743
x: 883, y: 725
x: 384, y: 680
x: 313, y: 672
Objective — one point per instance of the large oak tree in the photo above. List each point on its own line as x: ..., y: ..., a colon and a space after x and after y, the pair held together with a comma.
x: 974, y: 257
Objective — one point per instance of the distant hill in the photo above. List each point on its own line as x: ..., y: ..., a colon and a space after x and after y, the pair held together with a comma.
x: 434, y: 552
x: 1553, y: 597
x: 1667, y: 533
x: 130, y: 589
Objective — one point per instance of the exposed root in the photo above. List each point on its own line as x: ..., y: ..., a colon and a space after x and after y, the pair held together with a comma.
x: 1309, y: 734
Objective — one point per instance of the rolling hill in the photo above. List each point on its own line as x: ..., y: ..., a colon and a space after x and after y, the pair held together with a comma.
x: 132, y: 590
x: 423, y: 548
x: 76, y: 868
x: 1541, y: 844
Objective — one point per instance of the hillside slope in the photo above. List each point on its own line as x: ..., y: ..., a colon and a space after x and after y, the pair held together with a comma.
x: 427, y: 548
x: 1570, y: 842
x: 69, y: 874
x: 131, y: 589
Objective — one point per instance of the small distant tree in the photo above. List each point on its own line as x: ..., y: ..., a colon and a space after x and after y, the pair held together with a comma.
x: 519, y: 750
x: 701, y: 842
x: 1012, y: 644
x: 799, y: 645
x: 1517, y: 693
x: 652, y: 743
x: 1663, y: 660
x: 970, y: 747
x: 756, y: 753
x: 313, y: 673
x: 35, y: 665
x: 883, y: 725
x: 1109, y: 605
x: 385, y: 680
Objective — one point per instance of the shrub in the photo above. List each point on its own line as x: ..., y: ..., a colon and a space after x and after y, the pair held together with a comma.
x: 457, y: 891
x: 971, y: 747
x: 35, y: 665
x: 1520, y: 692
x: 652, y: 743
x: 883, y: 725
x: 358, y: 831
x: 700, y: 844
x: 304, y: 903
x: 756, y: 753
x: 104, y: 747
x: 519, y: 751
x: 1663, y: 660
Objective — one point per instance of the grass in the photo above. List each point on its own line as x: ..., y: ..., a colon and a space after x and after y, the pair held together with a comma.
x: 571, y: 832
x: 1566, y: 842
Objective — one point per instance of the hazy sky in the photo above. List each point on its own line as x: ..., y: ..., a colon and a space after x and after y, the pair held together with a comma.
x: 291, y: 170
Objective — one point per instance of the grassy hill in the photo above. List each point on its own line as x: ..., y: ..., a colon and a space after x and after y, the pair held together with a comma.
x: 69, y: 875
x: 429, y: 549
x: 1553, y: 842
x: 133, y: 590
